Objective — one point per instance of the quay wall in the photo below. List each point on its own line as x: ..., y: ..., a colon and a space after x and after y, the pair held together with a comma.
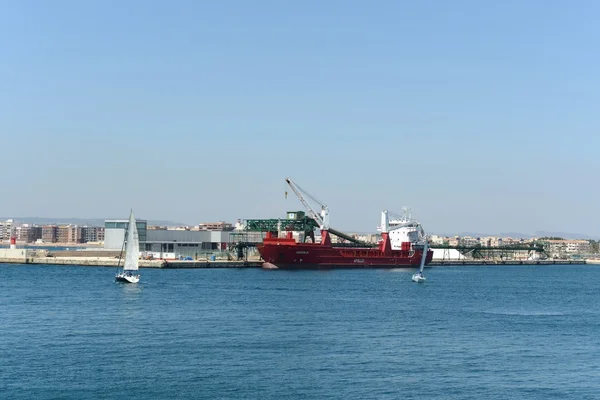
x: 22, y: 257
x: 18, y: 254
x: 509, y: 262
x: 112, y: 262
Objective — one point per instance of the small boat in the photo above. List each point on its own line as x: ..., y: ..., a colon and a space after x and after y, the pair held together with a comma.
x: 418, y: 276
x: 131, y: 246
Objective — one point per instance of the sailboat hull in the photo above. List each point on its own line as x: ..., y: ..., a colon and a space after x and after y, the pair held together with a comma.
x: 127, y: 278
x: 418, y: 278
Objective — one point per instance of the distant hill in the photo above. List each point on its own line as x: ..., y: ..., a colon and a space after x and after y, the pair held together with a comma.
x: 564, y: 235
x: 518, y: 235
x: 79, y: 221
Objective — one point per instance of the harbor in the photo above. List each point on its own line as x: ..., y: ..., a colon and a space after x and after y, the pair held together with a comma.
x: 302, y: 240
x: 510, y: 262
x: 253, y: 262
x: 34, y: 258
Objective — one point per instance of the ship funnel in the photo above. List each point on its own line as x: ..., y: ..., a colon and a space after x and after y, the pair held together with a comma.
x: 385, y: 224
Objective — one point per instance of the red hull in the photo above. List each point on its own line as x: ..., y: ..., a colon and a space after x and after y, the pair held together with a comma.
x: 288, y: 254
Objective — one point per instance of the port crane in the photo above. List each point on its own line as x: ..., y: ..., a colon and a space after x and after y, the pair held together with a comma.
x: 322, y: 218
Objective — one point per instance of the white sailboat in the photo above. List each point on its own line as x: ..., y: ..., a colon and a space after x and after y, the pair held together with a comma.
x: 132, y: 252
x: 418, y: 276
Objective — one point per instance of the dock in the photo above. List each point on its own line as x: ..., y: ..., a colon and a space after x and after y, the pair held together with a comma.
x: 172, y: 264
x: 439, y: 263
x: 97, y: 258
x: 212, y: 264
x: 112, y: 262
x: 111, y: 259
x: 109, y: 262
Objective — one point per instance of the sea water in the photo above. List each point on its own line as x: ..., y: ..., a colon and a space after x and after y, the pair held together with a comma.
x: 495, y: 332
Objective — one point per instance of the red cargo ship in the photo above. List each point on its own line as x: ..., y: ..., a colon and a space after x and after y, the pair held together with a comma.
x: 286, y: 253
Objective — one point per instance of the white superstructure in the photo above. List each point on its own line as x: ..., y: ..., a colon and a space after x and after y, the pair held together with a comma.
x: 404, y: 228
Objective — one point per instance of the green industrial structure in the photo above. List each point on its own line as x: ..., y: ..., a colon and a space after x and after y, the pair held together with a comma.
x: 296, y: 221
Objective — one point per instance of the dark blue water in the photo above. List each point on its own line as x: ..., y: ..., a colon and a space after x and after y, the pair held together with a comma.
x: 467, y: 333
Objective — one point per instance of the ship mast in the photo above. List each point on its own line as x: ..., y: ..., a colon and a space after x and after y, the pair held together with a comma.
x: 385, y: 223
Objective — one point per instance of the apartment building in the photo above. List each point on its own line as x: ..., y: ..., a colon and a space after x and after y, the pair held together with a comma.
x: 69, y: 234
x: 215, y: 226
x: 92, y: 234
x: 6, y: 229
x: 559, y: 248
x: 28, y: 233
x: 469, y: 241
x: 50, y: 233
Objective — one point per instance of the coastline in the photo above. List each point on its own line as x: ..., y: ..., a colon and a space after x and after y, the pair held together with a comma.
x: 44, y: 245
x: 114, y: 262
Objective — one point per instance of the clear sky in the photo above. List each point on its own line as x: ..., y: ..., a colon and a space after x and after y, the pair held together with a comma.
x: 480, y: 115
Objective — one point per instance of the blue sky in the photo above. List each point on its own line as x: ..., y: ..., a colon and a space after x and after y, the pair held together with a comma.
x: 480, y: 116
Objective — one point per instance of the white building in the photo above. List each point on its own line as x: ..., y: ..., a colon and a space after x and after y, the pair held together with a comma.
x: 447, y: 255
x: 167, y: 243
x: 6, y: 229
x: 558, y: 248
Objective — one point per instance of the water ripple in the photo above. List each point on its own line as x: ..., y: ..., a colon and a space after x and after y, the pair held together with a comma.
x: 468, y: 333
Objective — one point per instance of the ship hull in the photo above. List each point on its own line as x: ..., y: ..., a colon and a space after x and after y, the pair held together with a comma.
x: 334, y: 266
x: 291, y: 255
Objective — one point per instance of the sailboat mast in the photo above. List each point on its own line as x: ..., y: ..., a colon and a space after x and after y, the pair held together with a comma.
x: 123, y: 245
x: 424, y: 256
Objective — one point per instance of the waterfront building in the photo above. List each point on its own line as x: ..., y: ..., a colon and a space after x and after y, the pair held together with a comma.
x: 436, y: 239
x: 486, y: 241
x: 74, y: 234
x: 167, y: 243
x: 69, y: 234
x: 561, y: 248
x: 368, y: 238
x: 469, y: 241
x: 454, y: 241
x: 28, y: 233
x: 215, y: 226
x: 6, y: 229
x: 92, y: 234
x: 22, y: 233
x: 114, y: 233
x: 49, y: 233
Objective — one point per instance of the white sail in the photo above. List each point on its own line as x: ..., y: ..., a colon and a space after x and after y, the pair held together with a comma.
x: 424, y: 256
x: 418, y: 277
x: 132, y: 246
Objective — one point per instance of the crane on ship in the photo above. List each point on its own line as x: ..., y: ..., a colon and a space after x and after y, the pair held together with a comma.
x: 322, y: 217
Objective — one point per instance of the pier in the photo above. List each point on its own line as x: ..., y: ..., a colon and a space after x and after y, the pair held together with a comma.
x: 111, y: 259
x: 439, y: 263
x: 111, y: 262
